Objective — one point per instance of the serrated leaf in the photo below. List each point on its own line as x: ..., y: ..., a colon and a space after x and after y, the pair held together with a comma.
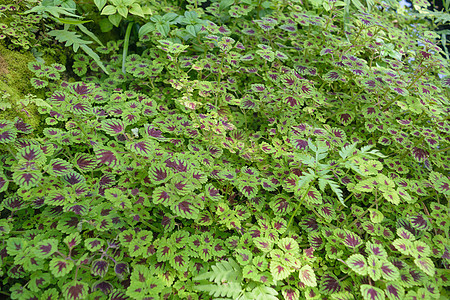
x: 60, y: 267
x: 307, y: 276
x: 99, y: 267
x: 369, y: 292
x: 279, y: 271
x: 75, y: 290
x: 93, y: 244
x: 58, y: 167
x: 426, y: 265
x: 389, y: 271
x: 358, y: 264
x: 394, y: 291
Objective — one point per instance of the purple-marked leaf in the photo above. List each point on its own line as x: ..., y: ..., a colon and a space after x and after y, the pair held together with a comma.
x: 81, y: 108
x: 394, y: 291
x: 46, y: 248
x: 107, y: 157
x: 280, y: 205
x: 332, y: 76
x: 264, y: 244
x: 248, y: 189
x: 59, y: 167
x: 185, y: 209
x: 389, y: 271
x: 327, y: 211
x: 99, y: 267
x: 288, y: 245
x: 309, y: 224
x: 103, y: 286
x: 420, y: 249
x: 376, y: 250
x: 180, y: 262
x: 144, y: 148
x: 419, y: 221
x: 243, y: 256
x: 162, y: 195
x: 21, y: 126
x: 315, y: 240
x: 307, y: 276
x: 75, y: 290
x: 445, y: 81
x: 85, y: 162
x: 329, y: 284
x: 290, y: 293
x: 27, y: 179
x: 38, y: 83
x: 278, y: 270
x: 345, y: 118
x: 369, y: 292
x: 404, y: 246
x: 93, y: 244
x: 351, y: 240
x: 72, y: 240
x: 60, y: 267
x: 31, y: 154
x: 159, y: 174
x: 313, y: 196
x: 212, y: 192
x: 420, y: 154
x: 358, y: 264
x: 113, y: 126
x: 426, y: 265
x: 7, y: 136
x: 121, y: 269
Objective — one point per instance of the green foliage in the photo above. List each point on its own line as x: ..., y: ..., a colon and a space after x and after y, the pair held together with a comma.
x: 231, y: 150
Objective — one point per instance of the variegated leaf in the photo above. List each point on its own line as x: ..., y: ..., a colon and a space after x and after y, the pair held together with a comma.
x: 369, y: 292
x: 307, y: 276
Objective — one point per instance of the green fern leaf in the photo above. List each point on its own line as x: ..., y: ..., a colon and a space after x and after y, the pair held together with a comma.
x: 227, y: 289
x: 224, y: 271
x: 73, y: 39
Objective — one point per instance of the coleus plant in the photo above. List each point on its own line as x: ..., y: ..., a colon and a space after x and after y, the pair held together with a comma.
x: 301, y: 154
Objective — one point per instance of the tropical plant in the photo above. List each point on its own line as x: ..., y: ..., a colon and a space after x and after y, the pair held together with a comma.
x: 279, y: 151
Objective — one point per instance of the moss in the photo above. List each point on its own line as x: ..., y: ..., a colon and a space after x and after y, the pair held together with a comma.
x: 15, y: 80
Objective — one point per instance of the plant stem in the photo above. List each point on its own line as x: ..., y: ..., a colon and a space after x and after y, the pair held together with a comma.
x: 125, y: 45
x: 296, y: 210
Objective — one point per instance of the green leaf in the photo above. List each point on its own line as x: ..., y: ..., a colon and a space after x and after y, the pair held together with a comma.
x: 136, y: 9
x: 358, y: 264
x: 109, y: 10
x: 371, y: 293
x: 426, y: 265
x: 100, y: 4
x: 307, y: 276
x: 60, y: 267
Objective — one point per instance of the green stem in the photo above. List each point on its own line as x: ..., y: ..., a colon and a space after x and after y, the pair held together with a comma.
x: 357, y: 218
x: 154, y: 228
x: 125, y: 45
x: 296, y: 210
x: 441, y: 150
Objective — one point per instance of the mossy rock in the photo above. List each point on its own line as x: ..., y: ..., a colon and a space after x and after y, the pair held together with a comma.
x: 15, y: 80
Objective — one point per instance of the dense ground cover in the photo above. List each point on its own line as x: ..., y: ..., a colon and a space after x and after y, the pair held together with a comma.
x: 233, y: 149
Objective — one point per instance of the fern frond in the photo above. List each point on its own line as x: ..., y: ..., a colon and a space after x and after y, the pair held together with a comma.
x: 307, y: 178
x: 73, y: 39
x: 347, y: 151
x: 232, y: 290
x: 223, y: 271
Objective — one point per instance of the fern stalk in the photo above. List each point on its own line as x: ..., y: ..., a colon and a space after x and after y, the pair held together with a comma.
x: 125, y: 45
x: 296, y: 210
